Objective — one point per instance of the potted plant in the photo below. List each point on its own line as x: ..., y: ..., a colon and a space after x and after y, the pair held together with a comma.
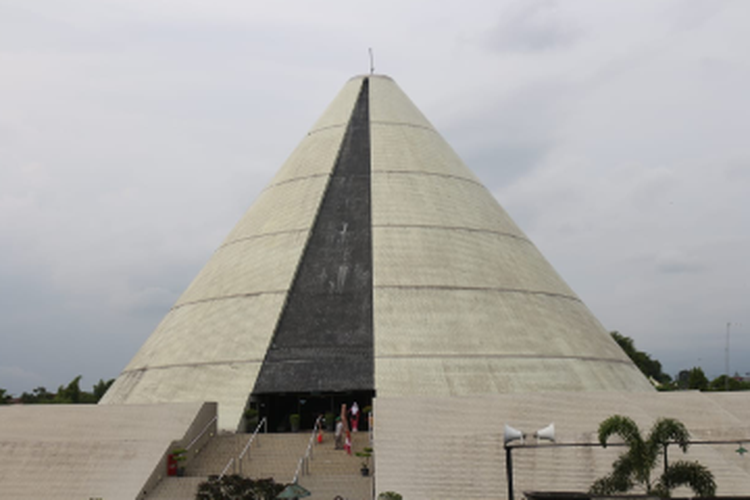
x: 180, y: 456
x: 252, y: 418
x: 365, y: 454
x: 294, y: 420
x: 330, y: 421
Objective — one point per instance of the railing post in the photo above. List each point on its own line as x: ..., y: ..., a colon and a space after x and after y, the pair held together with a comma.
x: 509, y: 471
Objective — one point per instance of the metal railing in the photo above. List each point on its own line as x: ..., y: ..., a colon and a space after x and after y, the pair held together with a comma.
x: 226, y: 468
x: 264, y: 424
x: 510, y: 448
x: 201, y: 434
x: 303, y: 466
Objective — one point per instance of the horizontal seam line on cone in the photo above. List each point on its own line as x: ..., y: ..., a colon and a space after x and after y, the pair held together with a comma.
x: 294, y: 179
x: 376, y: 172
x: 503, y: 356
x: 403, y: 124
x: 327, y: 127
x: 431, y: 174
x: 452, y: 228
x: 263, y: 235
x: 227, y: 297
x: 198, y: 363
x: 476, y: 288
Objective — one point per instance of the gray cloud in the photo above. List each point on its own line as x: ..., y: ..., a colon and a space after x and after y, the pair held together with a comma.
x: 533, y: 25
x: 135, y: 134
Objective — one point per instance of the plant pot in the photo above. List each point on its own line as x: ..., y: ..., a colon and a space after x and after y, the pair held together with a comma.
x: 365, y: 471
x: 330, y: 420
x: 294, y: 421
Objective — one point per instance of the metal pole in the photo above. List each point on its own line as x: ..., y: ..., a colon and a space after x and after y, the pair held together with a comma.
x: 726, y: 379
x: 509, y: 471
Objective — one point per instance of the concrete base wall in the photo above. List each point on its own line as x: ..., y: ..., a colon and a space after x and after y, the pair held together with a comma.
x: 92, y: 451
x: 453, y: 447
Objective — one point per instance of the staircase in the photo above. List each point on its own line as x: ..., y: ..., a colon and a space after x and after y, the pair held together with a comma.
x: 331, y: 472
x: 334, y: 473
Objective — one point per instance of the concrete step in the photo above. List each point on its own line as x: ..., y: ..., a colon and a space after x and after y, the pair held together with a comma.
x: 176, y: 488
x: 329, y: 472
x: 270, y: 455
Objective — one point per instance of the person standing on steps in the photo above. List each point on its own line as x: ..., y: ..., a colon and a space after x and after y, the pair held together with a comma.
x: 339, y: 435
x: 355, y: 417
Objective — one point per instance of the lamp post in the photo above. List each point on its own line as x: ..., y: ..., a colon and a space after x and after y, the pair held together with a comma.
x: 726, y: 355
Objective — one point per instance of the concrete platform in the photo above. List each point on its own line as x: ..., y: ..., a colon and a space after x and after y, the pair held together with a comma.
x: 92, y: 451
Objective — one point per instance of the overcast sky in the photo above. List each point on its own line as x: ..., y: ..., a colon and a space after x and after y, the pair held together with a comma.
x: 135, y: 133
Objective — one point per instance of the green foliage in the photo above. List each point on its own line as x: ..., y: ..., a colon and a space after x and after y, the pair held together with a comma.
x: 649, y: 367
x: 294, y: 420
x: 697, y: 379
x: 723, y: 383
x: 252, y: 418
x: 179, y: 454
x: 366, y: 453
x: 100, y: 388
x: 390, y: 495
x: 70, y: 394
x: 4, y: 397
x: 330, y: 421
x: 634, y: 467
x: 691, y: 474
x: 37, y: 396
x: 236, y: 487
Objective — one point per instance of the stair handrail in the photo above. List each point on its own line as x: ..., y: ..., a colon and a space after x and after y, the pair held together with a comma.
x: 263, y: 423
x: 226, y: 468
x: 200, y: 435
x: 304, y: 461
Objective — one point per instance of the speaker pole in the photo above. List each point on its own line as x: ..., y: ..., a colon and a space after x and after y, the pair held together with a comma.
x: 509, y: 471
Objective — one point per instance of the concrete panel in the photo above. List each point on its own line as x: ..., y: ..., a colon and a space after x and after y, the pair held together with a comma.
x: 436, y: 447
x: 284, y: 207
x: 228, y: 384
x: 260, y: 265
x: 88, y: 451
x: 235, y: 329
x: 473, y: 375
x: 470, y: 322
x: 389, y: 104
x: 413, y: 199
x: 315, y: 155
x: 338, y: 112
x: 434, y: 257
x: 402, y: 148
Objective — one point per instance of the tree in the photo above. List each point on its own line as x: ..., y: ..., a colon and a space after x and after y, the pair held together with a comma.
x: 634, y: 467
x: 723, y: 383
x: 649, y: 367
x: 4, y: 397
x: 70, y: 394
x: 101, y: 387
x: 697, y: 379
x: 236, y: 487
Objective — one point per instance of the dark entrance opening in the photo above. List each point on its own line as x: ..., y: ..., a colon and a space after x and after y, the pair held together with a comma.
x: 278, y: 408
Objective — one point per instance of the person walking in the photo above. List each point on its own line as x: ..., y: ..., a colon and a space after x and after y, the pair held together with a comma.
x: 355, y: 417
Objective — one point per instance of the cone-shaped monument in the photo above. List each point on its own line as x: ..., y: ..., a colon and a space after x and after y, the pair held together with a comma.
x: 374, y: 263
